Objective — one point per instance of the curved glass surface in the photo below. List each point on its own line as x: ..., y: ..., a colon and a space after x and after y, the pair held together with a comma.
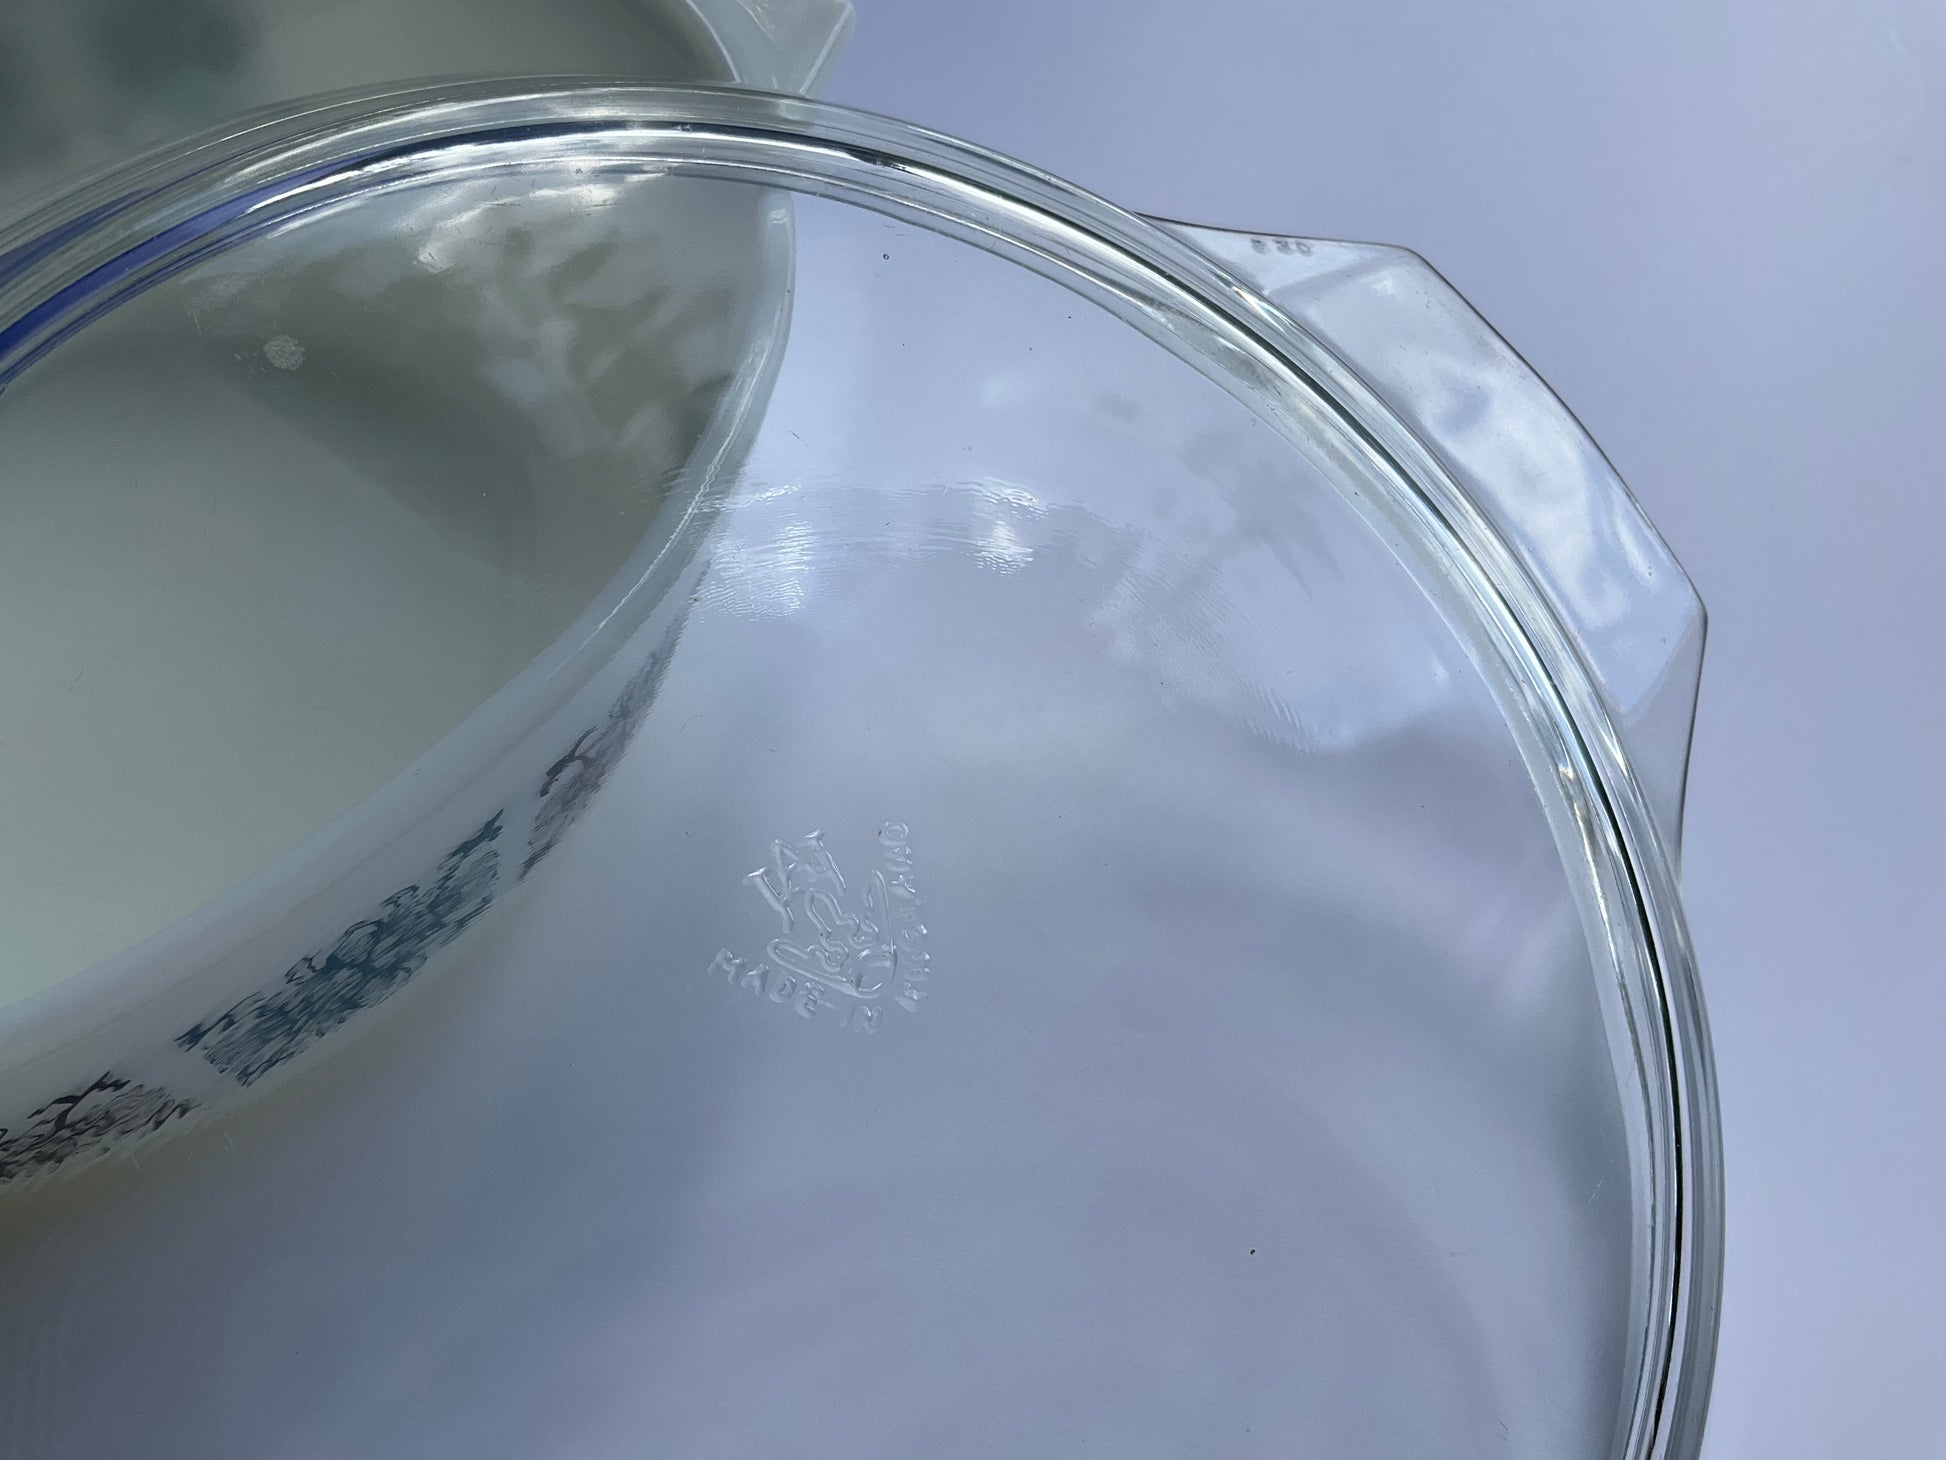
x: 1123, y: 923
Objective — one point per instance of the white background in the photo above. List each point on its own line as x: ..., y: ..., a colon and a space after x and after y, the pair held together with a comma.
x: 1717, y: 229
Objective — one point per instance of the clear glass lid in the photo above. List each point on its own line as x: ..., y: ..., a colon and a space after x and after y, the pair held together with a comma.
x: 1120, y: 915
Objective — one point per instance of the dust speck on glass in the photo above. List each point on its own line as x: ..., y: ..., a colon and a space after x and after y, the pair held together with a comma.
x: 283, y: 352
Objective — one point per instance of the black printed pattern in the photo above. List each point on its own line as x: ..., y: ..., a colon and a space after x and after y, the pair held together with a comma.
x: 86, y: 1122
x: 370, y: 961
x: 571, y: 782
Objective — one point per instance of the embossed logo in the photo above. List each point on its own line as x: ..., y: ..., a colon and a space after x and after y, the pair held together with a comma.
x: 844, y: 955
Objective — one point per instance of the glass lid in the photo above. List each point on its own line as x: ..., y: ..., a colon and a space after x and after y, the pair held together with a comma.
x: 1120, y: 915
